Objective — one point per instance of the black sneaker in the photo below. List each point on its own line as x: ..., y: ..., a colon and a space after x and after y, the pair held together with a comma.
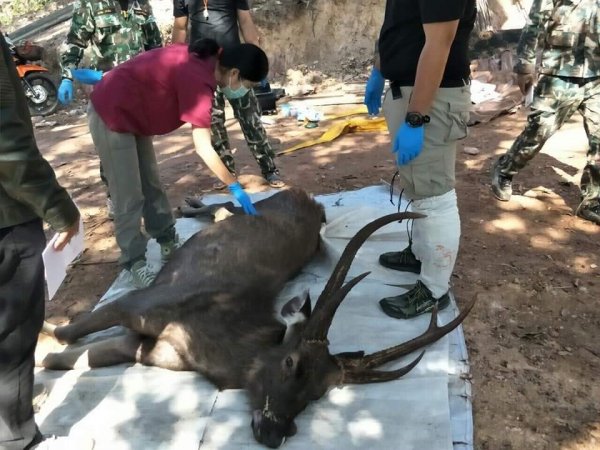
x: 501, y: 183
x: 590, y: 212
x: 404, y: 261
x: 274, y: 180
x: 413, y: 303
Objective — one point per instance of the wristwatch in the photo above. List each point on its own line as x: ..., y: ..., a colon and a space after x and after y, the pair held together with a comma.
x: 415, y: 119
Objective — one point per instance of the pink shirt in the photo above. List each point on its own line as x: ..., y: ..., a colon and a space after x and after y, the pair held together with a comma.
x: 156, y: 92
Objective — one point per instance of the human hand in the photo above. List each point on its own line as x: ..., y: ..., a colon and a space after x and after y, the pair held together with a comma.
x: 64, y: 237
x: 374, y: 91
x: 243, y: 198
x: 525, y: 81
x: 65, y: 91
x: 408, y: 143
x: 87, y: 76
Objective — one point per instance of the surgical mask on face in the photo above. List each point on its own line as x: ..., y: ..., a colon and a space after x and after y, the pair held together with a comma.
x: 233, y: 94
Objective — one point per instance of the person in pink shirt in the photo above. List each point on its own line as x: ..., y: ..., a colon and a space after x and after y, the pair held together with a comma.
x: 156, y: 93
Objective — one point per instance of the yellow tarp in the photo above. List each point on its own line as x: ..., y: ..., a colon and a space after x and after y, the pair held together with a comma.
x: 354, y: 125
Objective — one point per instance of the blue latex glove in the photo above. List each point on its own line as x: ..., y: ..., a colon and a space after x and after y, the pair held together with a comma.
x: 264, y: 83
x: 374, y: 92
x: 65, y: 91
x: 408, y: 143
x: 87, y: 76
x: 240, y: 195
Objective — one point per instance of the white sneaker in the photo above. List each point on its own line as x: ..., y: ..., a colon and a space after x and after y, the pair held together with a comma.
x: 65, y: 443
x: 110, y: 208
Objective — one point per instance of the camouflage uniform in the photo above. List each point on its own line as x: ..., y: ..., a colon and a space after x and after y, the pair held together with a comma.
x: 247, y: 111
x: 116, y: 35
x: 569, y: 31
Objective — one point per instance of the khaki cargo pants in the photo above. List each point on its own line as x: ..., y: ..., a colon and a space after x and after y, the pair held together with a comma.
x: 432, y: 173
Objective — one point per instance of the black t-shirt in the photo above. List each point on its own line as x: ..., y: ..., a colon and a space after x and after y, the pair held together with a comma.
x: 402, y: 38
x: 222, y: 22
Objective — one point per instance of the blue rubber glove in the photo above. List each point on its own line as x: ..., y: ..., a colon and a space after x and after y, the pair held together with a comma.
x: 243, y: 199
x: 65, y: 91
x: 408, y: 143
x: 374, y: 92
x: 87, y: 76
x: 264, y: 84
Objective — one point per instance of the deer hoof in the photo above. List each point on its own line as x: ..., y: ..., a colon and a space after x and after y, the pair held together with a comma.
x: 48, y: 329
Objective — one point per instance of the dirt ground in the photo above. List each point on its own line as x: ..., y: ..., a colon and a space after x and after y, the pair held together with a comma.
x: 534, y: 266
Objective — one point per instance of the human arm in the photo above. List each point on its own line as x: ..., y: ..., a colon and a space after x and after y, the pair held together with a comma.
x: 439, y: 37
x: 179, y: 30
x: 432, y: 63
x: 180, y: 22
x: 80, y: 33
x: 205, y: 150
x: 539, y: 14
x: 247, y: 27
x: 152, y: 36
x: 375, y: 85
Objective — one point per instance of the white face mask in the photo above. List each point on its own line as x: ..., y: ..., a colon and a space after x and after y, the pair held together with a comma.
x: 233, y: 94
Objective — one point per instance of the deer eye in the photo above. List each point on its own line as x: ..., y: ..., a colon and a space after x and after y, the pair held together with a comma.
x: 289, y: 362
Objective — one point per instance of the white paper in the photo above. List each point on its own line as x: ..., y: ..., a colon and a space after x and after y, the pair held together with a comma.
x: 56, y: 263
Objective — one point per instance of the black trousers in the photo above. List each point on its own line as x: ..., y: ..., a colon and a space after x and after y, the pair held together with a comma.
x: 21, y: 318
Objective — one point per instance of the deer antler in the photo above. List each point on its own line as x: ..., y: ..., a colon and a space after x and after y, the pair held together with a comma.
x: 332, y: 296
x: 360, y: 369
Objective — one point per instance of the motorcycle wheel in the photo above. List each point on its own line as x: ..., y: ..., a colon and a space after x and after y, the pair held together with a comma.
x: 41, y: 93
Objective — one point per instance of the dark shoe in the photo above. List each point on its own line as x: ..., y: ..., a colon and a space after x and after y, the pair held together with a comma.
x: 590, y: 211
x: 404, y: 261
x: 274, y: 180
x: 413, y: 303
x: 501, y: 183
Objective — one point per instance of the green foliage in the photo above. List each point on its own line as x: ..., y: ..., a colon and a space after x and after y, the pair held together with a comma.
x: 13, y: 9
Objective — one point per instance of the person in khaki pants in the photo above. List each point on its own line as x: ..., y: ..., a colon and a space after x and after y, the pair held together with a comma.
x: 422, y: 50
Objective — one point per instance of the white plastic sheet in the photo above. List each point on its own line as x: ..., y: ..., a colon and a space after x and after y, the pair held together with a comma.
x: 133, y: 408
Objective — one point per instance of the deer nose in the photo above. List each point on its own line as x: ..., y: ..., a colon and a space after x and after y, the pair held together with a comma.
x: 266, y: 432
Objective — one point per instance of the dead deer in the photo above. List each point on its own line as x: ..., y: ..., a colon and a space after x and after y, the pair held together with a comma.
x: 211, y: 310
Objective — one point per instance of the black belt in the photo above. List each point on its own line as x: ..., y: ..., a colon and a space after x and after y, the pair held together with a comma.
x: 397, y: 93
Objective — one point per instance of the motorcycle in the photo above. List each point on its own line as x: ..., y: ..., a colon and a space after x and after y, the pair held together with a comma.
x: 40, y: 89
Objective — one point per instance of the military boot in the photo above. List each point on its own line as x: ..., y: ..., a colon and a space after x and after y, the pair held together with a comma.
x: 501, y: 183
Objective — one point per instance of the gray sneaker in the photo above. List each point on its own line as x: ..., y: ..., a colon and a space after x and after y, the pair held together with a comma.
x: 167, y: 248
x: 141, y: 275
x: 65, y: 443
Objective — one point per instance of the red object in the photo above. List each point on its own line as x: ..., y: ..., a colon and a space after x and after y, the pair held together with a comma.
x: 157, y: 92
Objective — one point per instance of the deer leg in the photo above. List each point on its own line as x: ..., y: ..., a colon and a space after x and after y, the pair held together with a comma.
x: 108, y: 352
x: 160, y: 353
x: 101, y: 319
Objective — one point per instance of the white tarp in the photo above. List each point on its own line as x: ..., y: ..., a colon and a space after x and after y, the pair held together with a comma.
x: 143, y: 408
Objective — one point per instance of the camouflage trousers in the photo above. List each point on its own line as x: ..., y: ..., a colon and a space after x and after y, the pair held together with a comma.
x: 247, y: 111
x: 555, y: 101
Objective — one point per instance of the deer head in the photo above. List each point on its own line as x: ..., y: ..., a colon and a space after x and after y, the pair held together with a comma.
x: 286, y: 379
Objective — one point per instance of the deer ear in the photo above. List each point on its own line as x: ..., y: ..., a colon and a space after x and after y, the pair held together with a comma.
x: 295, y: 314
x: 298, y: 306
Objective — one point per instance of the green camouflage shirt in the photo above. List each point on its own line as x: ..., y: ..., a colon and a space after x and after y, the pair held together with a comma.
x: 569, y: 33
x: 116, y: 35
